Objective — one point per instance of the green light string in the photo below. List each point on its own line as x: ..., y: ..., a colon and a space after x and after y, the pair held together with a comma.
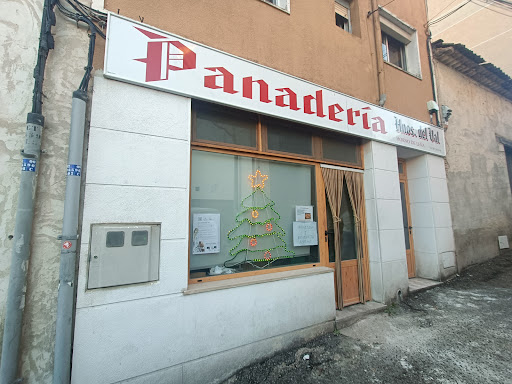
x: 276, y: 231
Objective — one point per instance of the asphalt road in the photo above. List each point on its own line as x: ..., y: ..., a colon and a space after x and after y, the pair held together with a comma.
x: 460, y: 332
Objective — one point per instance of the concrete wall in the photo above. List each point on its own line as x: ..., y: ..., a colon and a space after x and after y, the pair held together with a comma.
x: 388, y: 263
x: 434, y: 247
x: 19, y: 39
x: 478, y: 184
x: 305, y: 42
x: 138, y: 171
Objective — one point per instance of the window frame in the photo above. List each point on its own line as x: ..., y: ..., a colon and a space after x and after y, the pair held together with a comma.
x: 407, y: 35
x: 262, y: 144
x: 508, y: 160
x: 345, y: 5
x: 263, y: 153
x: 403, y: 56
x: 283, y: 5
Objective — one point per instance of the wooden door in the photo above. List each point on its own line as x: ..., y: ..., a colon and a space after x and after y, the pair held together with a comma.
x: 349, y: 266
x: 406, y: 215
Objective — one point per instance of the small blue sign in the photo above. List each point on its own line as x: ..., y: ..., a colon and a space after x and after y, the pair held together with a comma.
x: 74, y: 170
x: 28, y: 165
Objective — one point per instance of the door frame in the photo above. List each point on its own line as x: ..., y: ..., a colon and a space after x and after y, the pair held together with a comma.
x: 411, y: 258
x: 324, y: 245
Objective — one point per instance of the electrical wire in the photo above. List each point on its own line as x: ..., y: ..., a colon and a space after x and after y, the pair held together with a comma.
x: 96, y: 20
x: 380, y: 6
x: 435, y: 21
x: 493, y: 10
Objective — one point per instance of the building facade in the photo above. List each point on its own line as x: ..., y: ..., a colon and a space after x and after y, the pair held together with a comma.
x: 478, y: 160
x: 245, y: 180
x: 484, y: 27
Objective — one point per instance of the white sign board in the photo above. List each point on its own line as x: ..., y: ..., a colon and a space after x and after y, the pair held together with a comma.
x: 146, y: 56
x: 305, y: 233
x: 205, y: 233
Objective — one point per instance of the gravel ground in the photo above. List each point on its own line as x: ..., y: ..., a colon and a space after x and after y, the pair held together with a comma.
x: 460, y: 332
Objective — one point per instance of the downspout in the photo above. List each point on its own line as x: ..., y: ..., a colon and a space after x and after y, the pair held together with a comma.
x: 15, y: 303
x: 431, y: 64
x: 432, y: 75
x: 378, y: 50
x: 69, y: 238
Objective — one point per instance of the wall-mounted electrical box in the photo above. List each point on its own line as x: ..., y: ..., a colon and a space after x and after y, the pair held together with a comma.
x: 121, y: 254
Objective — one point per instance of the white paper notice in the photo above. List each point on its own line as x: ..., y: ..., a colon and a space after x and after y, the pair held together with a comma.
x: 305, y: 233
x: 303, y: 213
x: 206, y: 233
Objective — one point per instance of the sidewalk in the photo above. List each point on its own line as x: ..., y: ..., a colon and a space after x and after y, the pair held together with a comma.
x: 460, y: 332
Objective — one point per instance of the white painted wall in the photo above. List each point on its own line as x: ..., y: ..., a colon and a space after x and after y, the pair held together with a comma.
x: 138, y: 171
x: 388, y: 263
x: 434, y: 245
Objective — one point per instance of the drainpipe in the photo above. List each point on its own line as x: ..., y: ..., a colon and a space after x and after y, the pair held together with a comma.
x: 69, y: 238
x: 378, y: 51
x: 432, y: 75
x: 15, y: 305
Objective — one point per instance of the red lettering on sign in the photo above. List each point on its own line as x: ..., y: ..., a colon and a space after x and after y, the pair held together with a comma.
x: 227, y: 80
x: 319, y: 104
x: 292, y: 97
x: 334, y: 109
x: 247, y: 89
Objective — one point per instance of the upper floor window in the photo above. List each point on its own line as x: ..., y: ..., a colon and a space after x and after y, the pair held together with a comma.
x: 393, y: 51
x: 342, y: 15
x: 283, y: 4
x: 399, y: 43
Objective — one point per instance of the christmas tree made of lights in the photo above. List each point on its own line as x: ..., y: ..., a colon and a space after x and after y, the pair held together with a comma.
x: 258, y: 236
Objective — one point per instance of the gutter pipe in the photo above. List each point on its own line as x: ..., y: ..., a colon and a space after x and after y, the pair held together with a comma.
x: 378, y: 50
x: 69, y: 238
x: 16, y: 294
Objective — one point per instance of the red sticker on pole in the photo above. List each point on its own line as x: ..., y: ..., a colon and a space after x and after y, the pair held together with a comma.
x: 67, y: 244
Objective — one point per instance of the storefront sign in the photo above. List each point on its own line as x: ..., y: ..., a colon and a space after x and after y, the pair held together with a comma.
x: 146, y: 56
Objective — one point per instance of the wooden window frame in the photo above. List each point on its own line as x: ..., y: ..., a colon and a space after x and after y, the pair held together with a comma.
x: 261, y: 152
x: 403, y: 58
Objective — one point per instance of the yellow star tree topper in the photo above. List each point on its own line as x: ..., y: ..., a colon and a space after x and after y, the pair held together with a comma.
x: 258, y: 180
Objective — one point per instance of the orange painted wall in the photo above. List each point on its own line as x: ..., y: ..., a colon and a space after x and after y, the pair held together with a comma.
x: 305, y: 42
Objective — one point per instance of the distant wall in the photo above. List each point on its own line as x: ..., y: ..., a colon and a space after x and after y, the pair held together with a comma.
x: 478, y: 184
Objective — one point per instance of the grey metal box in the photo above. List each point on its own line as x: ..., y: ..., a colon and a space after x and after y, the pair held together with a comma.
x: 123, y: 254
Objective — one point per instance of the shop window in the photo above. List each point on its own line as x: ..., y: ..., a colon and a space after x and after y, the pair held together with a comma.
x: 224, y: 125
x: 344, y: 150
x: 342, y: 15
x: 399, y: 43
x: 253, y: 191
x: 243, y: 214
x: 283, y: 4
x: 285, y: 137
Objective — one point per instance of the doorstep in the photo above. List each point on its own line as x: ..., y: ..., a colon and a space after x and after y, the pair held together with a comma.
x: 354, y: 313
x: 418, y: 284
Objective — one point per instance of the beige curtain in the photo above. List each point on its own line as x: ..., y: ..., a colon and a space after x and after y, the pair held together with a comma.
x: 356, y: 193
x: 333, y: 180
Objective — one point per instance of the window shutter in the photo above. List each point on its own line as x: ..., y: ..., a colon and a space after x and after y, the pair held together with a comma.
x: 341, y: 10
